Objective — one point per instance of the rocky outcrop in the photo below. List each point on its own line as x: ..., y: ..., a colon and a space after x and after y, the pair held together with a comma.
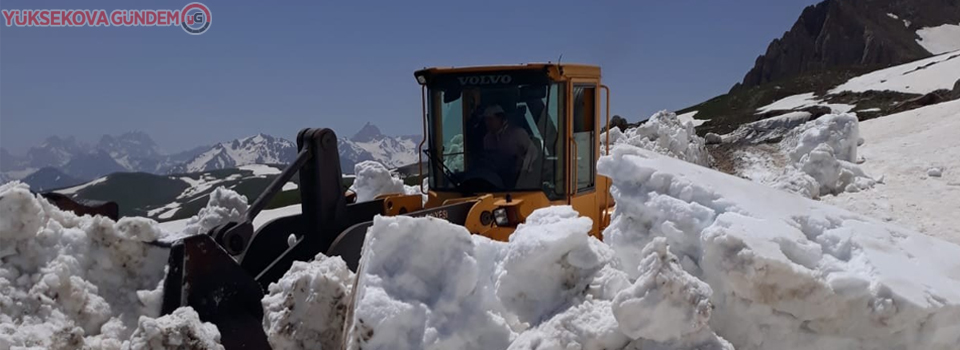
x: 845, y: 33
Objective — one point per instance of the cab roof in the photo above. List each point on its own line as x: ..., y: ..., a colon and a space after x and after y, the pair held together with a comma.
x: 556, y: 71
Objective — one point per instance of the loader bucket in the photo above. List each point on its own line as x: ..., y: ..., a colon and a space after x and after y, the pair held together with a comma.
x: 202, y: 275
x: 223, y: 274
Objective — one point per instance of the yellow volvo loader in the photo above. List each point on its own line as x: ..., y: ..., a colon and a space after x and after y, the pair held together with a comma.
x: 499, y: 143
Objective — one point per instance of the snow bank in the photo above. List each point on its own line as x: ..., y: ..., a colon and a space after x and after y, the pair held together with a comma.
x: 825, y: 150
x: 785, y: 271
x: 306, y: 308
x: 425, y: 283
x: 902, y: 148
x: 664, y: 133
x: 180, y: 330
x: 71, y: 282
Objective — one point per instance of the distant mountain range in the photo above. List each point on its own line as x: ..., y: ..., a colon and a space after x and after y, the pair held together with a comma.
x: 62, y: 161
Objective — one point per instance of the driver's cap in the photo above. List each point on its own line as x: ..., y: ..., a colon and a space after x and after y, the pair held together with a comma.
x: 493, y: 110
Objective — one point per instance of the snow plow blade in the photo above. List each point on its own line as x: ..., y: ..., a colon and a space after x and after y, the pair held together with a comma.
x: 224, y: 273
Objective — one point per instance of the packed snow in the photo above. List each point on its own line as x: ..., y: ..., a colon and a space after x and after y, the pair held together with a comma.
x: 940, y: 39
x: 664, y: 133
x: 902, y: 149
x: 816, y: 158
x: 918, y: 77
x: 73, y: 282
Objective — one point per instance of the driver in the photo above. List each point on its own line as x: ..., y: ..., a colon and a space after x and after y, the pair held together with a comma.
x: 507, y: 141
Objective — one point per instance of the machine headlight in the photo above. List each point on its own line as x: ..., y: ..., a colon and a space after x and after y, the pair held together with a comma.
x: 421, y: 79
x: 500, y: 216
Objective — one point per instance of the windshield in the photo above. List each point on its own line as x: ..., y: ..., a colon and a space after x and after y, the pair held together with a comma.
x: 497, y: 138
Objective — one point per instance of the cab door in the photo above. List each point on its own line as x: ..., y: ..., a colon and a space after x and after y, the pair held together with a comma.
x: 582, y: 150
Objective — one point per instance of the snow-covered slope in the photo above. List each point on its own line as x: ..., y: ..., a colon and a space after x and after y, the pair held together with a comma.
x: 919, y: 77
x: 903, y: 149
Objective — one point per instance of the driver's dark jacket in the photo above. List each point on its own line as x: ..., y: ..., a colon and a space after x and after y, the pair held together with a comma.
x: 510, y: 142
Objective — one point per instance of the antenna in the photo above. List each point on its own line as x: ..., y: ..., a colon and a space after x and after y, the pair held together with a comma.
x: 560, y: 59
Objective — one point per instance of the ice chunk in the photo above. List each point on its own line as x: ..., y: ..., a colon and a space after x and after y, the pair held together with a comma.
x: 374, y: 179
x: 306, y: 308
x: 934, y: 172
x: 665, y: 303
x: 548, y: 260
x: 588, y: 325
x: 418, y: 288
x: 180, y: 330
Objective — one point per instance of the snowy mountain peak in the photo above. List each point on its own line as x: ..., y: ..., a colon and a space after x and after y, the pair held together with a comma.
x: 135, y: 144
x: 367, y: 133
x: 256, y: 149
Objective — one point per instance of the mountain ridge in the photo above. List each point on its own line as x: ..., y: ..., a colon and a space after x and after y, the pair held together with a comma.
x: 136, y: 151
x: 850, y: 33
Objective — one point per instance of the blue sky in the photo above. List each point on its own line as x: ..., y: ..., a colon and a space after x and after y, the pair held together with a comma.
x: 276, y: 67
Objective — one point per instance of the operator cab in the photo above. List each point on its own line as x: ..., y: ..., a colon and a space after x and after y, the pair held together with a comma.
x: 526, y: 106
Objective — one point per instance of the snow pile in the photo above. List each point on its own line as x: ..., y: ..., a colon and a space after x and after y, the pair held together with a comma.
x: 902, y: 148
x: 72, y: 282
x: 664, y: 133
x: 373, y: 179
x: 666, y: 306
x: 814, y: 159
x: 426, y: 283
x: 825, y: 150
x: 306, y: 308
x: 180, y: 330
x: 224, y: 205
x: 785, y: 272
x: 419, y: 288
